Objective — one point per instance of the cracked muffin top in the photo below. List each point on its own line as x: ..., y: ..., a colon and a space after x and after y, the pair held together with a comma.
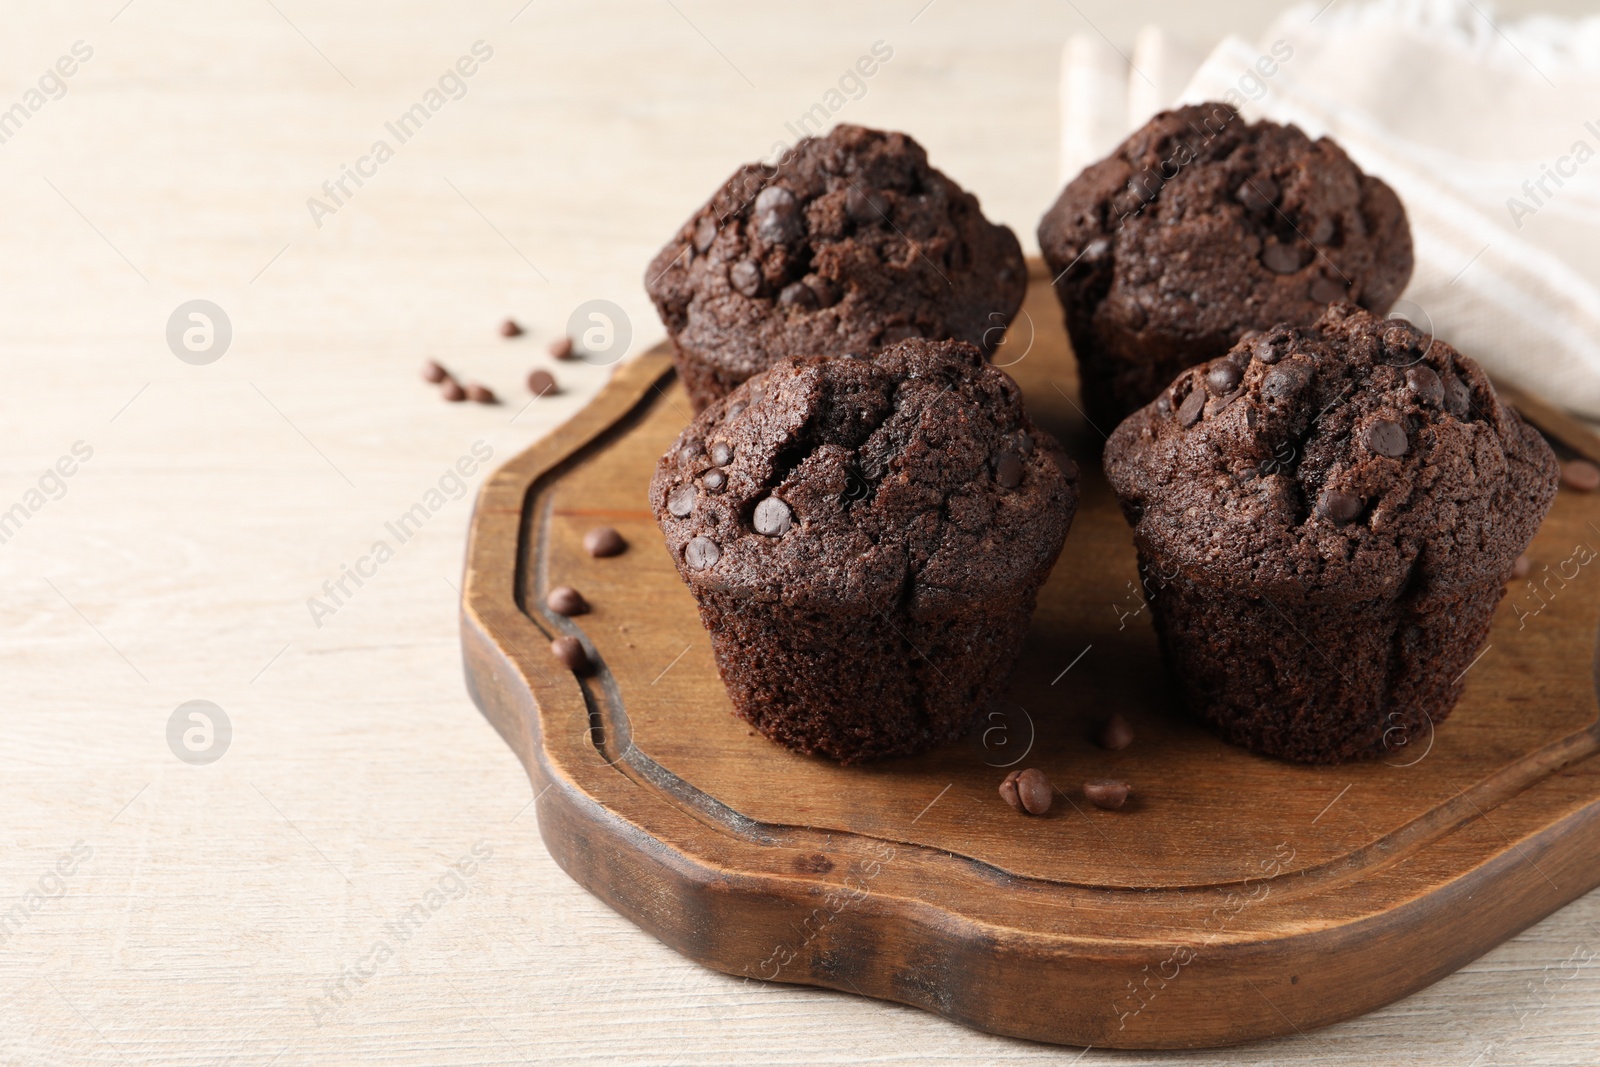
x: 851, y: 243
x: 914, y: 479
x: 1339, y: 459
x: 1201, y: 226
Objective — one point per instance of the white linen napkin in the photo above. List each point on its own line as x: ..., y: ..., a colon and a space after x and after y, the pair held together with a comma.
x: 1488, y: 131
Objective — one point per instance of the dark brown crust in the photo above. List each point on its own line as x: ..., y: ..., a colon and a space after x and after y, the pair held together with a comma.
x: 875, y: 247
x: 1160, y: 250
x: 1318, y: 583
x: 921, y: 510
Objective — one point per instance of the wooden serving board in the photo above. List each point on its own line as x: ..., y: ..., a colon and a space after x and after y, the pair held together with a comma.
x: 1235, y: 897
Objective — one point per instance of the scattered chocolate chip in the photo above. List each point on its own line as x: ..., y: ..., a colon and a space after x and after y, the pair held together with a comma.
x: 541, y: 383
x: 1281, y: 258
x: 1521, y: 568
x: 826, y: 293
x: 1581, y: 475
x: 864, y: 207
x: 510, y: 328
x: 1193, y: 404
x: 1386, y: 438
x: 1457, y: 397
x: 561, y: 348
x: 1107, y: 793
x: 1322, y: 230
x: 1422, y: 381
x: 777, y: 215
x: 736, y: 408
x: 1115, y: 733
x: 1338, y: 506
x: 745, y: 276
x: 721, y: 453
x: 680, y: 502
x: 451, y: 390
x: 1028, y: 791
x: 481, y: 394
x: 714, y: 479
x: 569, y: 650
x: 705, y: 231
x: 771, y: 518
x: 1284, y: 382
x: 1008, y: 470
x: 1268, y: 350
x: 1325, y: 290
x: 603, y: 541
x: 797, y: 295
x: 701, y: 553
x: 433, y: 372
x: 565, y: 600
x: 1223, y: 377
x: 1257, y: 194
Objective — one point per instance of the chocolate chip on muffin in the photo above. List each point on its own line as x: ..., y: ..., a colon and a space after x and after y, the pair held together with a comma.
x: 868, y: 567
x: 852, y: 242
x: 1339, y: 536
x: 1201, y: 227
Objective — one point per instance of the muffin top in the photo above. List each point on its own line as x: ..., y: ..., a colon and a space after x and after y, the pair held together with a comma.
x: 851, y: 243
x: 831, y: 482
x: 1201, y: 226
x: 1335, y: 460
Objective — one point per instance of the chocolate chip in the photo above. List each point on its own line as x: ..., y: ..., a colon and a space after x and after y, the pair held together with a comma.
x: 1223, y: 377
x: 777, y: 215
x: 1457, y: 397
x: 1281, y: 258
x: 1322, y: 230
x: 864, y: 207
x: 452, y: 391
x: 1269, y: 350
x: 1386, y: 438
x: 1422, y: 381
x: 510, y: 328
x: 1521, y: 568
x: 1115, y: 733
x: 721, y: 453
x: 701, y: 553
x: 1008, y: 470
x: 569, y: 650
x: 826, y: 293
x: 565, y: 600
x: 561, y: 348
x: 1028, y: 791
x: 541, y: 383
x: 1581, y: 475
x: 797, y: 295
x: 705, y: 231
x: 481, y: 394
x: 603, y: 541
x: 1284, y: 382
x: 745, y: 276
x: 432, y: 372
x: 680, y: 502
x: 713, y: 479
x: 1325, y: 290
x: 1193, y: 404
x: 1257, y: 194
x: 771, y: 518
x: 1338, y: 506
x: 1107, y: 793
x: 736, y: 408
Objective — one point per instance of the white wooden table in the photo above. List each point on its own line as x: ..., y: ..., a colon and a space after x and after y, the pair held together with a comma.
x: 300, y: 899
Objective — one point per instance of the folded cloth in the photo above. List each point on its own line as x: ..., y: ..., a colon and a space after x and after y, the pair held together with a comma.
x: 1490, y: 134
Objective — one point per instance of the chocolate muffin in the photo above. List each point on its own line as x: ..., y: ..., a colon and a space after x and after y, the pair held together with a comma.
x: 865, y: 539
x: 1326, y: 518
x: 1202, y: 226
x: 850, y: 243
